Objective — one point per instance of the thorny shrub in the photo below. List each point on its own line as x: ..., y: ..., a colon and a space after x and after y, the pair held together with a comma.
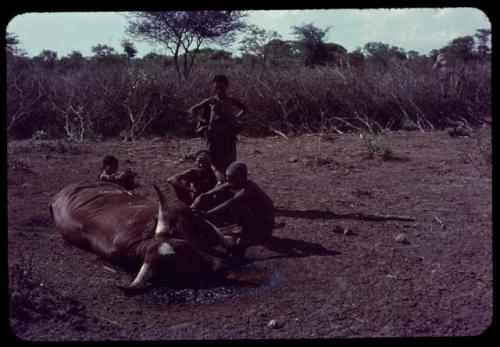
x: 135, y: 99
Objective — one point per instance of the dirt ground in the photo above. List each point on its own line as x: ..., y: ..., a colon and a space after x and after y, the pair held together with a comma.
x: 352, y: 276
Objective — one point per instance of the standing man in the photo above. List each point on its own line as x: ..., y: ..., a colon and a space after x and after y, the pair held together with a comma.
x: 219, y: 123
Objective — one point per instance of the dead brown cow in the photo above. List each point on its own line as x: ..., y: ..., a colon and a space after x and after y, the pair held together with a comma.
x: 164, y: 240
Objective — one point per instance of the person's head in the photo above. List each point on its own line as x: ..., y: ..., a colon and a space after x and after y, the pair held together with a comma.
x: 203, y: 159
x: 237, y: 174
x: 220, y: 84
x: 110, y: 164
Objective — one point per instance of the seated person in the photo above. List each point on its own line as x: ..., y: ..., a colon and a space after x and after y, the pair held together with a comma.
x: 239, y: 201
x: 110, y: 173
x: 189, y: 184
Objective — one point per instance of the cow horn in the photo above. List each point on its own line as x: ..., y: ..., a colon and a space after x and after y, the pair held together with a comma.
x: 139, y: 284
x: 162, y: 224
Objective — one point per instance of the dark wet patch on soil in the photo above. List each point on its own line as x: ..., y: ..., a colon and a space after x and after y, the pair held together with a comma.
x: 247, y: 281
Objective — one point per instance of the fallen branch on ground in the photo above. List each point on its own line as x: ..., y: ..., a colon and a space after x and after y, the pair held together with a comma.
x: 279, y: 133
x: 110, y: 321
x: 347, y: 172
x: 109, y: 269
x: 439, y: 221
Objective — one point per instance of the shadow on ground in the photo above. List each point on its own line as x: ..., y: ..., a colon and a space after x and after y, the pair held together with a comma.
x: 319, y: 214
x: 290, y: 248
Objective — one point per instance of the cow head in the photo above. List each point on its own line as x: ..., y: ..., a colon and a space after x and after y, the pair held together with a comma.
x: 158, y: 248
x: 167, y: 244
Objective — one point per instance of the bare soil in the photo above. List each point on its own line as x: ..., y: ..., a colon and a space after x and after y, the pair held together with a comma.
x: 348, y: 275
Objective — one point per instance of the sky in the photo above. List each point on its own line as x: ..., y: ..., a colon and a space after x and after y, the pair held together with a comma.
x: 418, y: 29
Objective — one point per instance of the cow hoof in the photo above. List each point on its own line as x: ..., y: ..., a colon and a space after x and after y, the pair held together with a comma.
x: 131, y: 290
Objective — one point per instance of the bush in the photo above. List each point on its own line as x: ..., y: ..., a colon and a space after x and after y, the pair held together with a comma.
x: 142, y: 97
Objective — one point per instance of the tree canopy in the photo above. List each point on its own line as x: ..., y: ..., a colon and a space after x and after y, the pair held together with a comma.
x: 183, y: 32
x: 310, y: 39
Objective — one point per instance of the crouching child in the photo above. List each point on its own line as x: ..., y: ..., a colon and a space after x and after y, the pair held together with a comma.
x: 109, y: 173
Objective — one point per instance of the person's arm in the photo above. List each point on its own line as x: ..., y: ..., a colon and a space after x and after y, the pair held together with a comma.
x: 241, y: 106
x: 103, y: 176
x: 218, y: 174
x: 241, y: 195
x: 114, y: 177
x: 203, y: 196
x: 221, y: 177
x: 176, y: 180
x: 203, y: 119
x: 199, y: 106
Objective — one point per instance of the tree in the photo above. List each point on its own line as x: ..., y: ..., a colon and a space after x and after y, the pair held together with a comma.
x: 104, y: 54
x: 310, y: 38
x: 213, y: 58
x: 76, y: 56
x: 335, y: 53
x: 356, y: 57
x: 74, y: 60
x: 183, y: 32
x: 382, y: 53
x: 156, y: 59
x: 483, y: 37
x: 46, y: 58
x: 153, y: 56
x: 460, y: 48
x: 11, y: 41
x: 129, y: 48
x: 102, y: 51
x: 418, y: 63
x: 433, y: 54
x: 279, y: 52
x: 412, y: 55
x: 221, y: 54
x: 254, y: 44
x: 12, y: 45
x: 214, y: 54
